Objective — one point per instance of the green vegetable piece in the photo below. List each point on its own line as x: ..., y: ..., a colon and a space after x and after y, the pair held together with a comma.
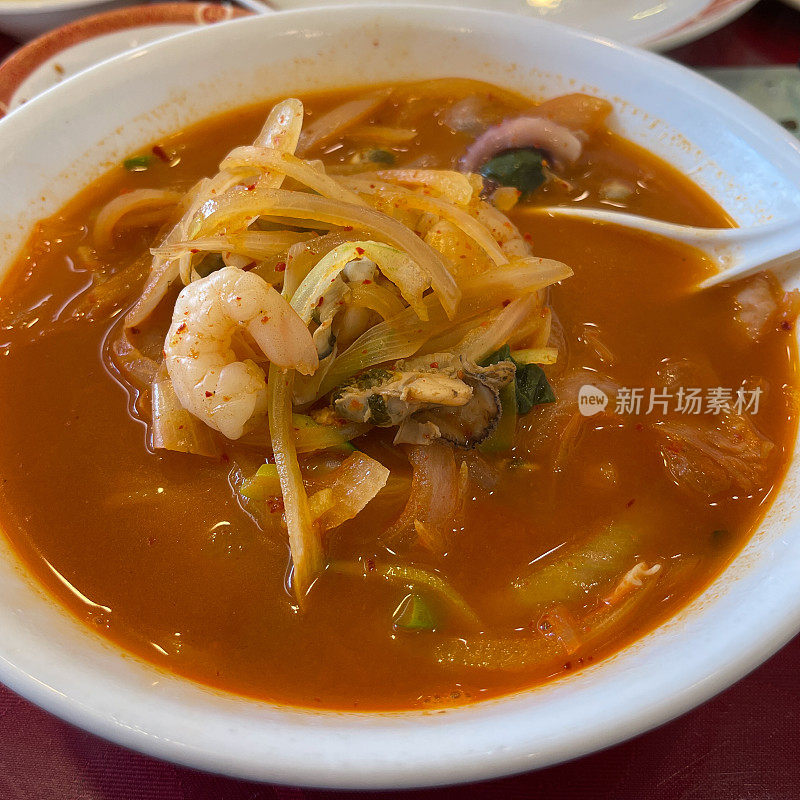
x: 413, y: 614
x: 137, y: 163
x: 378, y: 413
x: 522, y: 169
x: 531, y: 385
x: 381, y: 156
x: 411, y: 577
x: 208, y: 264
x: 502, y: 437
x: 577, y: 571
x: 533, y: 388
x: 523, y: 651
x: 265, y: 483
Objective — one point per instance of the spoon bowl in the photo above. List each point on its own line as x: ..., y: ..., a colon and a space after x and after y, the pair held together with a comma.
x: 737, y: 252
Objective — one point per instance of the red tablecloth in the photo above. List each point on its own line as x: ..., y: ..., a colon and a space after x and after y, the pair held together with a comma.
x: 743, y: 745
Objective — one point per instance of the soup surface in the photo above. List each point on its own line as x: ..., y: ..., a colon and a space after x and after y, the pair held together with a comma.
x: 548, y: 542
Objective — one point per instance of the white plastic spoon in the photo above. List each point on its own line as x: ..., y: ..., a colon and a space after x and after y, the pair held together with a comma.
x: 738, y: 252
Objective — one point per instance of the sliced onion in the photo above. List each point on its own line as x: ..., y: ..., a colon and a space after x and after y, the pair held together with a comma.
x: 404, y: 199
x: 376, y: 298
x: 434, y: 499
x: 454, y: 186
x: 253, y: 244
x: 236, y: 208
x: 505, y: 326
x: 335, y: 122
x: 304, y: 539
x: 281, y: 131
x: 247, y: 159
x: 174, y: 428
x: 409, y: 278
x: 136, y: 201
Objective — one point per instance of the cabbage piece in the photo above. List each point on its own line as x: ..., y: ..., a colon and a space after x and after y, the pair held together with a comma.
x: 353, y: 484
x: 708, y: 457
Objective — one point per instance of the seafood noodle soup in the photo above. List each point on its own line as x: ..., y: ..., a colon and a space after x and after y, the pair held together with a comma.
x: 328, y: 409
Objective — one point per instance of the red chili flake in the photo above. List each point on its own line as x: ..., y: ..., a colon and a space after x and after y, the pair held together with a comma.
x: 568, y: 665
x: 630, y: 502
x: 225, y: 458
x: 135, y: 331
x: 180, y: 427
x: 786, y: 325
x: 366, y: 281
x: 264, y: 320
x: 248, y: 266
x: 639, y: 426
x: 275, y: 505
x: 280, y: 266
x: 151, y: 540
x: 506, y: 303
x: 434, y: 365
x: 347, y: 228
x: 209, y: 394
x: 360, y: 251
x: 194, y: 250
x: 251, y: 187
x: 527, y: 237
x: 161, y: 153
x: 181, y: 328
x: 371, y: 565
x: 320, y: 301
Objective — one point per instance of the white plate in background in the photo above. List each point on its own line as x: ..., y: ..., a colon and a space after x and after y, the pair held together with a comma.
x: 654, y: 24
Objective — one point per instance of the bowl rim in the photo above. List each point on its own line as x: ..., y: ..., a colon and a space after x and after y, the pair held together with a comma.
x: 675, y: 694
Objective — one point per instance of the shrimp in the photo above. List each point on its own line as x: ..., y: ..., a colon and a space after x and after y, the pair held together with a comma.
x: 208, y: 379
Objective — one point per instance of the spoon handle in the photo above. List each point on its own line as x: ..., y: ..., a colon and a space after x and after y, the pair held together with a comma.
x: 256, y: 6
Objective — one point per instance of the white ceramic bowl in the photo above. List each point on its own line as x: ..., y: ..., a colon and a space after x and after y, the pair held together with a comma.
x: 25, y: 19
x: 58, y: 142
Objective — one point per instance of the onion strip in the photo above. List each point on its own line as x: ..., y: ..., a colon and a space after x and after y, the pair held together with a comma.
x: 236, y: 208
x: 113, y: 212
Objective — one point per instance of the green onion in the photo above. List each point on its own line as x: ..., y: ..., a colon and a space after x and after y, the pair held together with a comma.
x: 137, y: 163
x: 413, y: 614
